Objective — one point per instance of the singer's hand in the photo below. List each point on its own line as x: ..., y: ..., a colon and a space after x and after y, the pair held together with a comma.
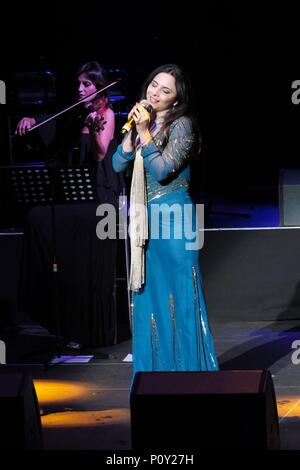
x: 141, y: 118
x: 95, y: 122
x: 24, y: 125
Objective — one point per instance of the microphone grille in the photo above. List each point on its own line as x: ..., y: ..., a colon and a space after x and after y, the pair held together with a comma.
x: 146, y: 105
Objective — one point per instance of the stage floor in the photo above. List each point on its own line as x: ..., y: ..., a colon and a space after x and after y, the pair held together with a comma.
x: 86, y: 406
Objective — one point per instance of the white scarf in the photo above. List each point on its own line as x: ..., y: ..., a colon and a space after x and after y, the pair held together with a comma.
x: 138, y: 223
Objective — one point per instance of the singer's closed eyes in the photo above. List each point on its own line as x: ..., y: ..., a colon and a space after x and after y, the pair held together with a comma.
x: 154, y: 84
x: 170, y: 325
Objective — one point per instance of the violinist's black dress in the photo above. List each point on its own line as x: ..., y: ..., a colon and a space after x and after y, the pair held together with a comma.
x: 86, y: 309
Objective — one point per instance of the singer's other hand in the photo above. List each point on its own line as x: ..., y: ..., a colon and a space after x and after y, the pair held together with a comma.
x: 141, y: 117
x: 24, y: 125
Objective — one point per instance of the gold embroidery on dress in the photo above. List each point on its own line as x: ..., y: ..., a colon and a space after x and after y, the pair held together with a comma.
x: 172, y: 314
x: 154, y: 342
x: 176, y: 357
x: 203, y: 326
x: 197, y: 309
x: 153, y: 193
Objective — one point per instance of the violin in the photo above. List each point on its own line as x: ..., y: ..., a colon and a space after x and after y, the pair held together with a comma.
x: 95, y: 122
x: 99, y: 123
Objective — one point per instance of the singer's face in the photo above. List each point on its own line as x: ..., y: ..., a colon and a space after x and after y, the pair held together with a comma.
x: 85, y: 87
x: 161, y: 92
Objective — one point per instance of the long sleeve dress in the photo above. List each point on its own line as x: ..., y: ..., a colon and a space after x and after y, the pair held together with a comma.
x: 170, y: 328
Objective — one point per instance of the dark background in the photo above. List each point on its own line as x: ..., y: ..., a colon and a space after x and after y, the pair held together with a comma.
x: 242, y: 59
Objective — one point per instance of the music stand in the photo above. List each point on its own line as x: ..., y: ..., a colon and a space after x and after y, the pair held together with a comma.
x: 38, y: 184
x: 29, y: 185
x: 74, y: 183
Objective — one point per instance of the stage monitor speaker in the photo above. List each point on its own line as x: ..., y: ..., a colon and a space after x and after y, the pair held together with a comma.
x: 20, y: 421
x: 289, y: 197
x: 222, y: 410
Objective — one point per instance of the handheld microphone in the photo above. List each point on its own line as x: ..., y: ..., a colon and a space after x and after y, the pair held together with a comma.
x: 127, y: 127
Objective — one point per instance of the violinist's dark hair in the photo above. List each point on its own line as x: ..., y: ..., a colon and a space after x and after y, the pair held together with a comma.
x: 96, y: 73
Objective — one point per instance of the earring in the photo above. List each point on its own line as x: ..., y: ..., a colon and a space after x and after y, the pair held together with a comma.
x: 175, y: 104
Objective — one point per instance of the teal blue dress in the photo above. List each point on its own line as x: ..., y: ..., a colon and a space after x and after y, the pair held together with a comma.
x: 170, y: 328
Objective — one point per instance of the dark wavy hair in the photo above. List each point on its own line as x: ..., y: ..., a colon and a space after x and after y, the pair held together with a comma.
x: 96, y: 73
x: 183, y: 94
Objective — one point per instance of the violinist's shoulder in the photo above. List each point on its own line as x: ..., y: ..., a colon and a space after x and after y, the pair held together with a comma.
x: 109, y: 113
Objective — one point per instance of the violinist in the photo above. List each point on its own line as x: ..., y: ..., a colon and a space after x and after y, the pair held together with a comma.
x: 86, y: 297
x: 94, y: 118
